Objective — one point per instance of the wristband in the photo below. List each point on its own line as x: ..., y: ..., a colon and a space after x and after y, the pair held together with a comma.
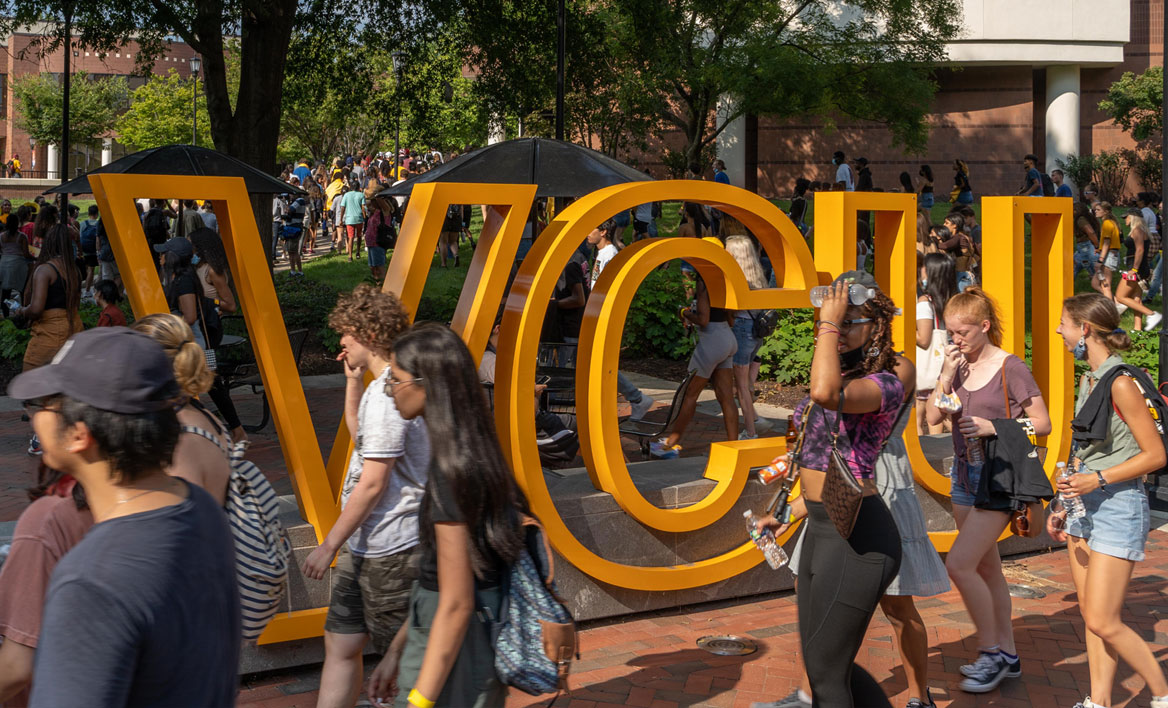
x: 417, y: 699
x: 1102, y: 482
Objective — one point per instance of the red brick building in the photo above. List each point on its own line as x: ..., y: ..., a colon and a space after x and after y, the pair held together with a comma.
x: 19, y: 58
x: 1027, y: 77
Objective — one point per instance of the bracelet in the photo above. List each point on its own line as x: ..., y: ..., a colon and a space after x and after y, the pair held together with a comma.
x: 829, y: 322
x: 1102, y: 482
x: 417, y: 699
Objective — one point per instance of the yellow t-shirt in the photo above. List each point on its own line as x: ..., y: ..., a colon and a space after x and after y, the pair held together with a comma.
x: 331, y: 191
x: 1109, y: 234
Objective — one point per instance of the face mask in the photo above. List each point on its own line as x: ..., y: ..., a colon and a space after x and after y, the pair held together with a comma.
x: 195, y: 260
x: 1080, y: 350
x: 851, y: 359
x: 924, y: 283
x: 834, y: 161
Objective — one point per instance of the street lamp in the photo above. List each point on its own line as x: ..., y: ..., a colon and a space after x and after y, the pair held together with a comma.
x: 196, y: 64
x: 396, y: 56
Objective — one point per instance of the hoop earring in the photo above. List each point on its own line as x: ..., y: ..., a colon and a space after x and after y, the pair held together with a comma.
x: 873, y: 351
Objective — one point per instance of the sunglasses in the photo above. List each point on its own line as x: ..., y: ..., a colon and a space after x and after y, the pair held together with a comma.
x: 36, y: 405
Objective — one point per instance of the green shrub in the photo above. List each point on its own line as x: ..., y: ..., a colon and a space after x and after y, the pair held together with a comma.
x: 1144, y: 353
x: 786, y: 354
x: 653, y: 326
x: 306, y: 304
x: 13, y: 341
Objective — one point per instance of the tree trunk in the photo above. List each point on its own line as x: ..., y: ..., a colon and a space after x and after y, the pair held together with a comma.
x: 252, y: 132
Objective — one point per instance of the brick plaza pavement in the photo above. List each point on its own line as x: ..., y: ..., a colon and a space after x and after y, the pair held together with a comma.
x: 651, y: 660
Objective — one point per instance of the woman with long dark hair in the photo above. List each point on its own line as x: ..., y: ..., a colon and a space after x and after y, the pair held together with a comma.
x: 937, y: 283
x: 855, y: 390
x: 906, y: 184
x: 470, y: 527
x: 962, y: 193
x: 210, y: 261
x: 186, y: 295
x: 14, y: 258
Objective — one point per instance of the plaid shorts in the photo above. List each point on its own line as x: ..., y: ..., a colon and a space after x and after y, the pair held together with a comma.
x: 372, y: 595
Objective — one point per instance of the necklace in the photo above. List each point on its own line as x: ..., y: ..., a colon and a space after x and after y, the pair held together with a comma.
x: 139, y: 494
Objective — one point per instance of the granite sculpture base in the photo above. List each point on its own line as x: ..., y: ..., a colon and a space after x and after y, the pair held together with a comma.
x: 595, y: 518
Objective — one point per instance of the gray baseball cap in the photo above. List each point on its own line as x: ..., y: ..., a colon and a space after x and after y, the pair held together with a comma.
x: 178, y: 245
x: 110, y: 368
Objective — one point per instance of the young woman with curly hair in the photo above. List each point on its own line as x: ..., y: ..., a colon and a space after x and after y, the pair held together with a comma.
x: 854, y: 387
x: 991, y: 384
x: 197, y: 458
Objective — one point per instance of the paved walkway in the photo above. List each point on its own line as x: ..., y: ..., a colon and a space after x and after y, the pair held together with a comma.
x: 652, y: 660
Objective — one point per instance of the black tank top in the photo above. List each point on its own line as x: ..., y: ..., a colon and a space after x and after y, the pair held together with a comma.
x: 55, y: 297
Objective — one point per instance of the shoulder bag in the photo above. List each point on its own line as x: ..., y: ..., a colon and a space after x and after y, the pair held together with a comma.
x: 1026, y: 518
x: 929, y: 361
x: 842, y: 494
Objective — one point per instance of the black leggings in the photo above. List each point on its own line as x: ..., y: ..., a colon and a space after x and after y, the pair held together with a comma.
x: 221, y: 395
x: 840, y: 584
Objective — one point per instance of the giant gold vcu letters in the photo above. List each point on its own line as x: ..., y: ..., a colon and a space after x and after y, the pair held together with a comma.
x: 317, y: 484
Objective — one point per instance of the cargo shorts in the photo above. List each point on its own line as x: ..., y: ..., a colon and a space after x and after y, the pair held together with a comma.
x: 372, y: 595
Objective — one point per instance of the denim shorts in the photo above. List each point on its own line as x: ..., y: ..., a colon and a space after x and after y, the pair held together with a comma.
x: 1084, y: 257
x: 958, y: 493
x: 1117, y: 520
x: 376, y: 256
x: 744, y: 333
x: 1112, y: 260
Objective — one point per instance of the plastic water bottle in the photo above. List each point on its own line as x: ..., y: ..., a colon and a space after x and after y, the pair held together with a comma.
x: 857, y: 294
x: 1074, y: 505
x: 776, y: 557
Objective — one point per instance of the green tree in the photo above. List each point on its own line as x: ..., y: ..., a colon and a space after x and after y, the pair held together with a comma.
x: 1136, y: 103
x: 438, y: 106
x: 160, y: 114
x: 93, y: 106
x: 867, y: 59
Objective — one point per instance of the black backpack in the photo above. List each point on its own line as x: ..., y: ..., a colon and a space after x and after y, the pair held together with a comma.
x: 1047, y: 185
x: 764, y: 323
x: 1157, y: 403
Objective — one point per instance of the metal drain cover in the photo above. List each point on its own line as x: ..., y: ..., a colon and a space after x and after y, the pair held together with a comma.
x: 727, y: 645
x: 1025, y: 591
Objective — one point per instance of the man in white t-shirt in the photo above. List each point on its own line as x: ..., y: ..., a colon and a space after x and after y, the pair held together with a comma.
x: 380, y: 499
x: 843, y: 172
x: 606, y: 250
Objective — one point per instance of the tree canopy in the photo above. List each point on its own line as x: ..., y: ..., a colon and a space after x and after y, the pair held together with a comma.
x: 1136, y: 103
x: 93, y: 106
x: 160, y: 114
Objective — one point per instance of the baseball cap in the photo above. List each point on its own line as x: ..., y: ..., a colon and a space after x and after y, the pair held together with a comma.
x: 178, y: 245
x: 110, y: 368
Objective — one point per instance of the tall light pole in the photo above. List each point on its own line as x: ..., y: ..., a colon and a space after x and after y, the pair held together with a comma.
x: 196, y: 64
x: 1164, y: 194
x: 561, y: 60
x: 396, y: 56
x: 68, y: 47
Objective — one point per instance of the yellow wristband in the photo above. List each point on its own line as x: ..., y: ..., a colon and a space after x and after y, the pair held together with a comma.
x: 417, y: 699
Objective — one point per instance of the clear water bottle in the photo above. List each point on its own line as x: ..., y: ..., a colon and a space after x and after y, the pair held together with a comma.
x: 857, y: 294
x: 776, y: 557
x: 1074, y: 505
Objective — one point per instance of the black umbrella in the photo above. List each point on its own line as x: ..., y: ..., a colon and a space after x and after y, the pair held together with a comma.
x: 182, y: 160
x: 558, y: 168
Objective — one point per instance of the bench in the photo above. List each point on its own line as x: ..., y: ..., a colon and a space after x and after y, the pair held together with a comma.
x: 645, y: 431
x: 239, y: 369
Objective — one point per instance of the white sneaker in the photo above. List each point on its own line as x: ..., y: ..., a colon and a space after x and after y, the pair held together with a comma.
x: 747, y: 436
x: 1161, y: 702
x: 641, y: 407
x: 1152, y: 321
